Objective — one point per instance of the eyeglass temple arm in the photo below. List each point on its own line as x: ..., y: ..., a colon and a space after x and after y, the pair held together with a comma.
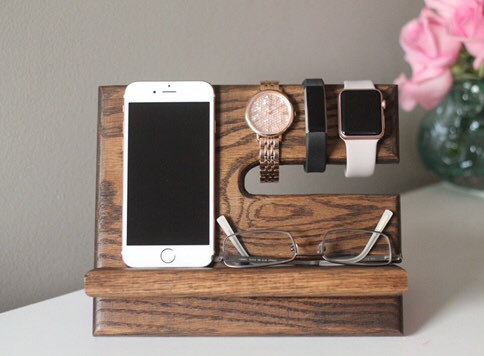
x: 385, y: 218
x: 227, y: 229
x: 382, y: 223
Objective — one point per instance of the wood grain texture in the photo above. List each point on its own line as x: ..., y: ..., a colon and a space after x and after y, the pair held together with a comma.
x: 259, y: 316
x: 307, y: 217
x: 275, y: 282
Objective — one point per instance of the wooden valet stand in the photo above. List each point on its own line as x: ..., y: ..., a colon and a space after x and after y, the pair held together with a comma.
x: 220, y: 301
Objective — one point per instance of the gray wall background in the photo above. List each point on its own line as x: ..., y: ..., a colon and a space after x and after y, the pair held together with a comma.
x: 54, y: 55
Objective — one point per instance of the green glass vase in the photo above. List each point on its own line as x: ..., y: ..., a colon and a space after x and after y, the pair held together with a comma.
x: 451, y: 136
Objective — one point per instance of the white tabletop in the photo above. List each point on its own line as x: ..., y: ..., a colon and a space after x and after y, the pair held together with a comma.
x: 443, y: 245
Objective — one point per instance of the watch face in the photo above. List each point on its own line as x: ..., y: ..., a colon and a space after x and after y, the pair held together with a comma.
x: 315, y: 105
x: 361, y: 112
x: 269, y: 113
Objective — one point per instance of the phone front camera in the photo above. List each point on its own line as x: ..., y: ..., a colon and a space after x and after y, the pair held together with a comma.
x: 154, y: 91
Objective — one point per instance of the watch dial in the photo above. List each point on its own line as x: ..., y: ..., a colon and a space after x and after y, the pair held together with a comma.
x: 361, y: 112
x: 269, y: 113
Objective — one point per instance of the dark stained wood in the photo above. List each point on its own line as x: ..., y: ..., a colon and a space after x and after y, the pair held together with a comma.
x: 259, y: 316
x: 307, y: 217
x: 275, y: 282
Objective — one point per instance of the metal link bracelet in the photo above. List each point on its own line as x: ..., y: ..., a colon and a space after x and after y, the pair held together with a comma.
x: 269, y: 158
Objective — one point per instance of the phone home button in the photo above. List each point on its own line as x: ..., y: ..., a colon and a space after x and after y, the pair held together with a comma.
x: 168, y: 255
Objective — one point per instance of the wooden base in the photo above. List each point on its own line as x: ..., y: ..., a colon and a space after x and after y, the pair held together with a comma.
x: 259, y: 316
x: 270, y: 301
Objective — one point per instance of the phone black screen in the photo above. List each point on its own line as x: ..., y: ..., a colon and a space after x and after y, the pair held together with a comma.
x: 361, y: 112
x: 168, y: 173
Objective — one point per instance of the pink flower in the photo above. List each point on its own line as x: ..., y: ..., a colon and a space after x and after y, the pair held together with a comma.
x: 431, y: 51
x: 427, y: 88
x: 427, y: 43
x: 445, y: 8
x: 467, y: 23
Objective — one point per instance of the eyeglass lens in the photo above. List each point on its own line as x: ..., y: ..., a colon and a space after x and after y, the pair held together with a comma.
x: 356, y: 247
x: 264, y: 247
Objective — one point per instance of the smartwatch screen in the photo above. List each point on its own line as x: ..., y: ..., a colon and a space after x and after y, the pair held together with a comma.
x: 361, y: 112
x: 315, y: 105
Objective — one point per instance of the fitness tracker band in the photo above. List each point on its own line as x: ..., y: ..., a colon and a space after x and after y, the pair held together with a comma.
x: 315, y: 109
x: 361, y: 123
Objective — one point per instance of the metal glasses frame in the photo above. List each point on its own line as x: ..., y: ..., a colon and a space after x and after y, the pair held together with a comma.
x: 319, y: 259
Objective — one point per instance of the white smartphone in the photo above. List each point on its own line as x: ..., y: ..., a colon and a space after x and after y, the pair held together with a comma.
x: 168, y: 174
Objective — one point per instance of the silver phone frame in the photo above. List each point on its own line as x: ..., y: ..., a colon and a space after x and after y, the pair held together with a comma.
x: 175, y: 91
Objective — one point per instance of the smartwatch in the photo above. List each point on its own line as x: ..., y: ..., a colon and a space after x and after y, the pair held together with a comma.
x: 361, y: 123
x: 315, y: 109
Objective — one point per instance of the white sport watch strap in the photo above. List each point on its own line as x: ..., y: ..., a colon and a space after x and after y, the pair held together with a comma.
x: 360, y: 153
x: 360, y: 157
x: 359, y: 84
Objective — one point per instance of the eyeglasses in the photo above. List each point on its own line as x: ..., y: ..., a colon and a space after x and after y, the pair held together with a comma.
x: 263, y: 248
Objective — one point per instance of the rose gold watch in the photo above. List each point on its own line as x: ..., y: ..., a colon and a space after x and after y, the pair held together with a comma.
x: 269, y: 114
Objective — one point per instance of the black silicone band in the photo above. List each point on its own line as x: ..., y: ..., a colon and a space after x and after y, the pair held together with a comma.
x: 315, y: 105
x: 315, y: 152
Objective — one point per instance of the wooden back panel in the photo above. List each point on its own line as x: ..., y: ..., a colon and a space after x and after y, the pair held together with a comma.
x: 306, y: 216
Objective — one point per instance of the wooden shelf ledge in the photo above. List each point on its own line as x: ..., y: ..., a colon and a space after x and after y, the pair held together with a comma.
x: 271, y: 282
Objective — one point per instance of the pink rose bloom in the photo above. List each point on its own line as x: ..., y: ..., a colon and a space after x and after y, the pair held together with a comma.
x: 426, y: 88
x: 431, y: 51
x: 427, y: 42
x: 445, y: 8
x: 467, y: 23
